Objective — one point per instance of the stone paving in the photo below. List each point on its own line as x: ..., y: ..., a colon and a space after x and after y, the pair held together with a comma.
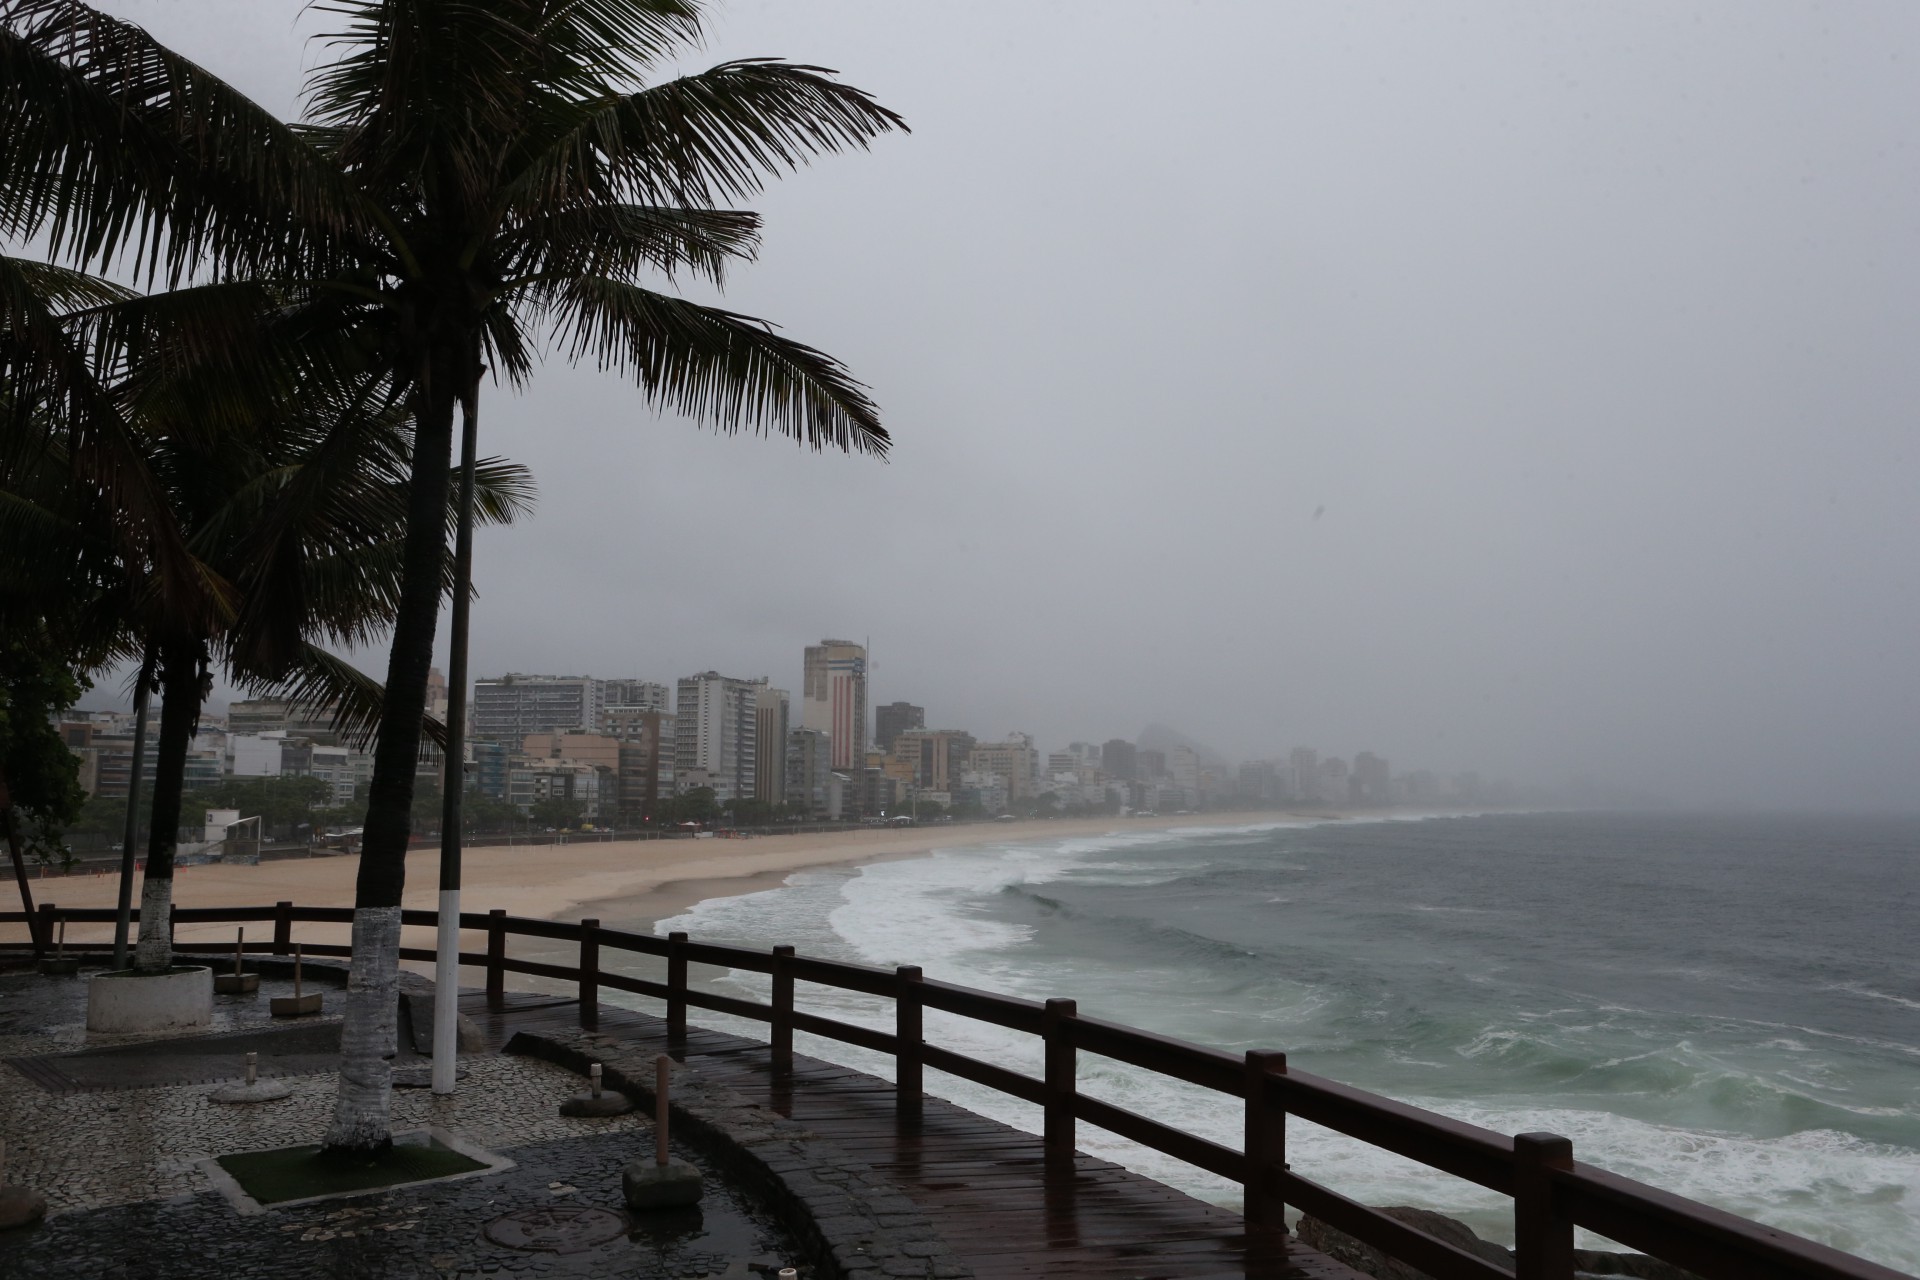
x: 127, y: 1196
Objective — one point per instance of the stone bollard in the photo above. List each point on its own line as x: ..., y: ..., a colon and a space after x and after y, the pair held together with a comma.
x: 662, y: 1182
x: 595, y: 1101
x: 236, y: 983
x: 60, y: 964
x: 19, y: 1206
x: 253, y: 1089
x: 295, y: 1005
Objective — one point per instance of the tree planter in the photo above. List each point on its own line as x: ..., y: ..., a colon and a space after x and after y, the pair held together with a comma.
x: 125, y: 1000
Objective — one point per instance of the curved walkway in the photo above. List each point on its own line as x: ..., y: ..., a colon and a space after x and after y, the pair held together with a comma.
x: 999, y: 1208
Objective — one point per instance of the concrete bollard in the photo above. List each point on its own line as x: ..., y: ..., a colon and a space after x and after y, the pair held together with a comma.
x: 596, y: 1102
x: 297, y: 1005
x: 60, y: 964
x: 254, y: 1089
x: 662, y: 1182
x: 236, y: 983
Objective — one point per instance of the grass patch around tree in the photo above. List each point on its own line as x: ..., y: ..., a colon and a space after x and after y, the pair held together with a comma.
x: 306, y: 1172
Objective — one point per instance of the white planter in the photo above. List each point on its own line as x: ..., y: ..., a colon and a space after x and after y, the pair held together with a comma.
x: 128, y: 1000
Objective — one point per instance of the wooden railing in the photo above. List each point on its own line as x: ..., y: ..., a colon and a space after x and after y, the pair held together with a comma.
x: 1552, y: 1193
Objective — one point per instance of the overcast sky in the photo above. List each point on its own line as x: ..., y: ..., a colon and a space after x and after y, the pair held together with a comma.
x: 1520, y: 387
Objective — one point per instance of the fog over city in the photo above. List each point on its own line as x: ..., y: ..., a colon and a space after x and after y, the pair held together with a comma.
x: 1502, y: 387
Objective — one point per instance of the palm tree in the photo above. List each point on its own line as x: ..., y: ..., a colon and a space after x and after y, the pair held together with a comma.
x: 292, y: 510
x: 476, y: 179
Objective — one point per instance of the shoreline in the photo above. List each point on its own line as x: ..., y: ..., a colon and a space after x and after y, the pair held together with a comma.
x: 663, y: 877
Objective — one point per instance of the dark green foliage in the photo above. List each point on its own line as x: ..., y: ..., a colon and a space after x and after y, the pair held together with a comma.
x: 697, y: 805
x: 556, y: 812
x: 40, y: 792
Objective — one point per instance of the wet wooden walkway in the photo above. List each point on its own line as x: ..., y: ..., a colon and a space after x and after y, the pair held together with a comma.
x: 1000, y: 1202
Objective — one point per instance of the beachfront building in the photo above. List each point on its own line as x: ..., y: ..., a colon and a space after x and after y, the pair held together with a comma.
x: 1303, y: 774
x: 1183, y: 763
x: 1117, y: 759
x: 341, y: 768
x: 716, y: 733
x: 1014, y: 761
x: 647, y: 741
x: 981, y: 788
x: 1371, y: 782
x: 894, y: 719
x: 809, y: 773
x: 582, y: 786
x: 770, y: 744
x: 647, y: 695
x: 1330, y: 782
x: 936, y: 755
x: 508, y: 708
x: 279, y: 715
x: 834, y: 699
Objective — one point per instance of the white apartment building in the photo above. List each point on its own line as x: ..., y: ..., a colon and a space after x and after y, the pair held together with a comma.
x: 716, y: 733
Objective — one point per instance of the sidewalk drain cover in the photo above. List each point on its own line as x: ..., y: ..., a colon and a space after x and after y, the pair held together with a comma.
x: 556, y: 1228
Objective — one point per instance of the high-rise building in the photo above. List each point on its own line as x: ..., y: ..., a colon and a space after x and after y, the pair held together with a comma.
x: 1303, y: 774
x: 634, y: 695
x: 809, y: 775
x: 1149, y: 765
x: 1117, y: 759
x: 834, y: 699
x: 1371, y: 781
x: 715, y: 734
x: 279, y: 715
x: 937, y: 756
x: 1014, y: 761
x: 646, y: 763
x: 1331, y: 786
x: 1183, y: 762
x: 770, y: 745
x: 508, y: 708
x: 894, y: 719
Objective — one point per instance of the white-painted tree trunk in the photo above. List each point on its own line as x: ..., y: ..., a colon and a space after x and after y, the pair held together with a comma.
x: 155, y: 948
x: 361, y: 1110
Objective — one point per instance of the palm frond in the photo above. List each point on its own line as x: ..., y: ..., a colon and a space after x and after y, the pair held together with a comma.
x: 621, y: 240
x: 703, y: 140
x: 326, y: 682
x: 46, y: 372
x: 108, y: 140
x: 718, y: 366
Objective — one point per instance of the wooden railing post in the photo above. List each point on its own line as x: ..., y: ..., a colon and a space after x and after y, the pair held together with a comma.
x: 782, y: 1012
x: 41, y: 932
x: 1265, y: 1144
x: 283, y: 928
x: 1542, y: 1232
x: 677, y: 985
x: 1062, y: 1067
x: 590, y: 974
x: 908, y: 1074
x: 496, y: 957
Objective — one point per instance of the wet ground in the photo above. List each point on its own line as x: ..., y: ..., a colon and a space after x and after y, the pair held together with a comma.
x: 116, y: 1132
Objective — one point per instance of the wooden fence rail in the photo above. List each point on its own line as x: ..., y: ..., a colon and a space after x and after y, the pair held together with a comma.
x: 1552, y: 1193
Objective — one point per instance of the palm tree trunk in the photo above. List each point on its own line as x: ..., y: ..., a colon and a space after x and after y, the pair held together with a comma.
x: 9, y: 823
x: 360, y: 1113
x: 130, y: 832
x: 181, y: 690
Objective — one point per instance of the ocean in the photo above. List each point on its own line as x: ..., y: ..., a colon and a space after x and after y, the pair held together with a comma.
x: 1726, y: 1007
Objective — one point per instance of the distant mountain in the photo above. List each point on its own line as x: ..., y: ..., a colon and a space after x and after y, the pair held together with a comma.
x: 1157, y: 737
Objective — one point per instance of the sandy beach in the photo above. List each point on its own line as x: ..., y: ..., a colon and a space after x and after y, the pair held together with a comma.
x: 641, y: 880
